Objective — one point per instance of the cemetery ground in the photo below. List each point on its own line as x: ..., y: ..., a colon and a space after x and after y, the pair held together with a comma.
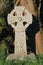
x: 38, y: 59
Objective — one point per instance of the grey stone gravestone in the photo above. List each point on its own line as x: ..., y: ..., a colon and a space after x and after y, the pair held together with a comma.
x: 19, y: 18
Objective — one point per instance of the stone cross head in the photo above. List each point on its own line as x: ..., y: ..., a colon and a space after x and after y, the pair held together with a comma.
x: 19, y: 18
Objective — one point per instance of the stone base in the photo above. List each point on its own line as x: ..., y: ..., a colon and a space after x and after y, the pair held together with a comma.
x: 30, y: 56
x: 14, y: 56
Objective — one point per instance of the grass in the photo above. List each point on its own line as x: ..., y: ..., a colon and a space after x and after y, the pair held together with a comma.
x: 26, y: 61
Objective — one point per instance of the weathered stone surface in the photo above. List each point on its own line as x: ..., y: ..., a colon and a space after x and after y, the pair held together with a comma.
x: 17, y: 18
x: 32, y: 56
